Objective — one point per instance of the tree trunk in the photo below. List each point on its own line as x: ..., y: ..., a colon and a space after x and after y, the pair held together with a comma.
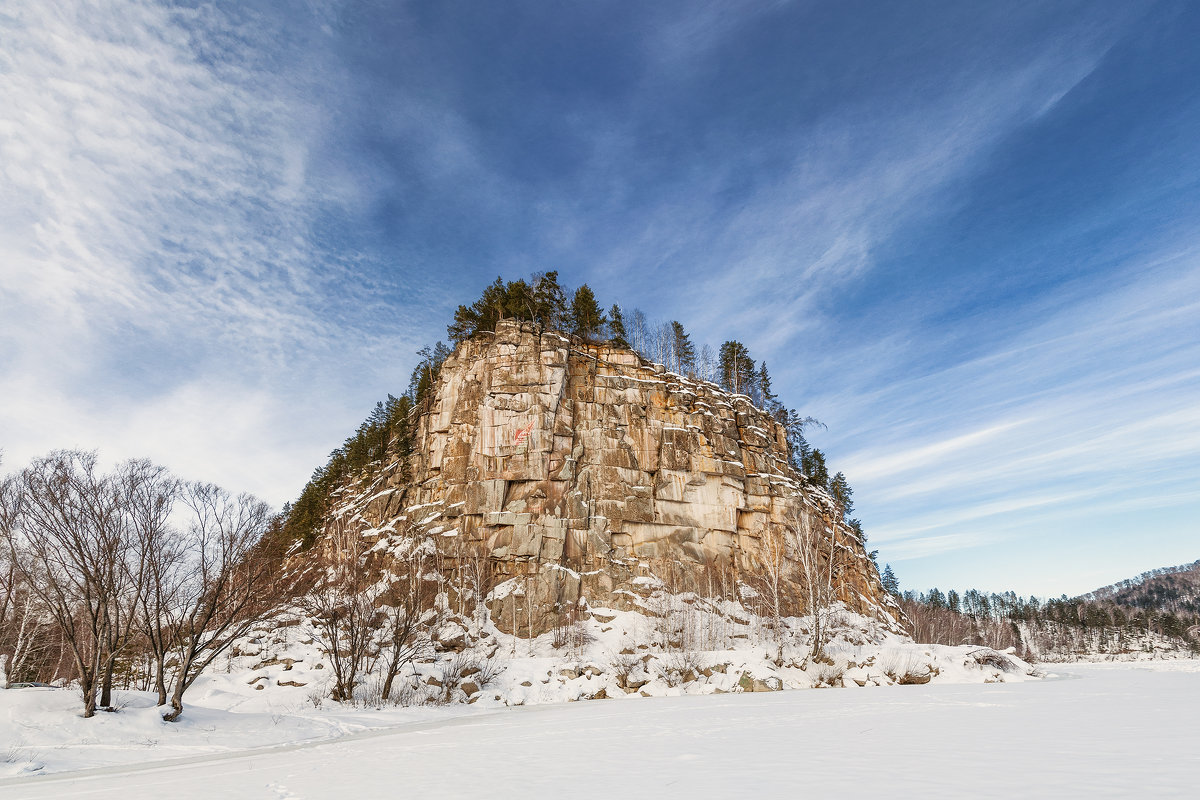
x: 176, y: 702
x: 106, y: 686
x: 87, y: 685
x: 160, y: 681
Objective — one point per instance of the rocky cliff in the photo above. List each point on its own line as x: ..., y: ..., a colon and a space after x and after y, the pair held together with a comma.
x: 560, y: 470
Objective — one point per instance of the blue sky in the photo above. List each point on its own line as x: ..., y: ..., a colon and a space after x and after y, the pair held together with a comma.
x: 962, y: 235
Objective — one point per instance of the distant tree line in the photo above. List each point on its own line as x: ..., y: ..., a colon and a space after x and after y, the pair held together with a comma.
x: 1061, y: 625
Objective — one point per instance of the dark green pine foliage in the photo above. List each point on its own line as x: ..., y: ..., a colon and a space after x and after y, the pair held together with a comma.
x: 768, y: 400
x: 736, y: 368
x: 890, y: 584
x: 541, y: 301
x: 841, y: 492
x: 616, y: 328
x: 814, y: 467
x: 482, y: 315
x: 587, y: 318
x: 685, y: 352
x: 386, y: 431
x: 549, y: 302
x: 799, y: 449
x: 952, y: 601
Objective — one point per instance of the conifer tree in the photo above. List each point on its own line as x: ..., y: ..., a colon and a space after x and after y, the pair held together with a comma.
x: 890, y: 584
x: 616, y: 328
x: 815, y: 469
x: 841, y: 492
x: 736, y: 367
x: 519, y: 300
x: 769, y: 401
x: 685, y: 353
x: 482, y: 315
x: 465, y: 323
x: 549, y: 302
x: 587, y: 318
x: 798, y: 447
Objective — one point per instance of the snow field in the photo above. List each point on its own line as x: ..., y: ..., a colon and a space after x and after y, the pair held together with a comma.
x: 1112, y: 730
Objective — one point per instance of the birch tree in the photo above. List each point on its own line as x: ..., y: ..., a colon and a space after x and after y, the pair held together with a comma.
x: 814, y: 560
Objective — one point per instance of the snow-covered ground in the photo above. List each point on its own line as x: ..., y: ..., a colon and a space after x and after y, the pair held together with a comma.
x: 1091, y: 730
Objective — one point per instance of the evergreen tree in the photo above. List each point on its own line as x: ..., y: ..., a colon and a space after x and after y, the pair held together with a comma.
x: 482, y: 315
x: 465, y: 323
x: 587, y: 318
x: 890, y: 584
x: 952, y: 601
x: 815, y: 469
x: 685, y: 353
x: 841, y: 492
x: 520, y: 301
x: 549, y: 302
x: 736, y: 368
x: 798, y: 447
x: 616, y: 328
x: 769, y: 401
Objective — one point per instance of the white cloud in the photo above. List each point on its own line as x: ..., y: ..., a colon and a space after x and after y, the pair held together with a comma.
x: 163, y: 292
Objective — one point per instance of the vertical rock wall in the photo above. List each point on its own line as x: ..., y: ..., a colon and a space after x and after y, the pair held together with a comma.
x: 581, y: 470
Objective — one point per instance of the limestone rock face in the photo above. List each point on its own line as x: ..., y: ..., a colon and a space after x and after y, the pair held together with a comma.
x: 577, y: 470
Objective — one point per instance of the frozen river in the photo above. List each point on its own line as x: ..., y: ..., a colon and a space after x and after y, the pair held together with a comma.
x: 1094, y: 731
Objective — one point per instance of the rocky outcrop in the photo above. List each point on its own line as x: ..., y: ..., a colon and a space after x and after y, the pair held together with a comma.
x: 575, y: 470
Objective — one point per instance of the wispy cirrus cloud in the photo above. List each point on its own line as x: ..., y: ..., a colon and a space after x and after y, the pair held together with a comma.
x: 1071, y: 423
x: 958, y: 233
x: 160, y: 259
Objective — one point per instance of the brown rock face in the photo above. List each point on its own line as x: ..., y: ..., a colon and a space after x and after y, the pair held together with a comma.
x: 577, y: 470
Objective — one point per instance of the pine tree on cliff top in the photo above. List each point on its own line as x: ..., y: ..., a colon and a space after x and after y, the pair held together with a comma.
x: 842, y: 494
x: 549, y: 301
x: 736, y: 367
x: 890, y: 584
x: 685, y: 352
x: 616, y: 328
x: 587, y: 318
x: 815, y: 469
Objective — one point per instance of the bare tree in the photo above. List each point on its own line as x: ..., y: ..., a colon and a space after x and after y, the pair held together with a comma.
x: 772, y: 580
x: 342, y: 610
x: 707, y: 366
x: 402, y: 639
x: 27, y: 640
x: 70, y: 547
x: 664, y: 347
x: 23, y: 634
x: 226, y: 585
x: 639, y: 329
x: 150, y: 493
x: 816, y: 577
